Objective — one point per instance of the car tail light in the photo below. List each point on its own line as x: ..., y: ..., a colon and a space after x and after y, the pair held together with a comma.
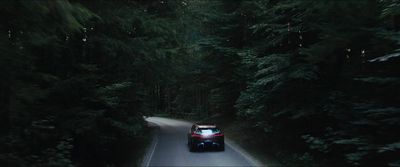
x: 196, y: 134
x: 219, y: 134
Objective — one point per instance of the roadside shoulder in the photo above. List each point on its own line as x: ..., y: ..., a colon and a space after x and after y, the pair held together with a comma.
x: 243, y: 152
x: 152, y: 146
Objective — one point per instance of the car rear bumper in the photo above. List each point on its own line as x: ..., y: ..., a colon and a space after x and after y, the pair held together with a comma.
x: 208, y: 143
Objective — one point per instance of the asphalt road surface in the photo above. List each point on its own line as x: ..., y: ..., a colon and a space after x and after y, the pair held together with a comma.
x: 169, y: 148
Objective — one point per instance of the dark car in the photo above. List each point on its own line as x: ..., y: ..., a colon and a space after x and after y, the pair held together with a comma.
x: 203, y: 136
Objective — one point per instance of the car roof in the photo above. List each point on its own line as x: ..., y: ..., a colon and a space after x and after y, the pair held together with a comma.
x: 206, y: 125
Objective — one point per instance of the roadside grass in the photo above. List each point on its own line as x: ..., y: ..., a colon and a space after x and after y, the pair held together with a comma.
x: 131, y: 154
x: 161, y: 115
x: 138, y: 157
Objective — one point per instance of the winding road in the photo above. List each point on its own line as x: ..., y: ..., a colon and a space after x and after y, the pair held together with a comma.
x: 169, y: 148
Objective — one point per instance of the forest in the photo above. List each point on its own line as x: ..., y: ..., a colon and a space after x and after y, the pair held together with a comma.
x: 318, y: 82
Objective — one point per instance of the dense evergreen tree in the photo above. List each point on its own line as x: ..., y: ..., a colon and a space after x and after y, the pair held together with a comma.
x: 313, y: 65
x: 316, y: 81
x: 75, y: 79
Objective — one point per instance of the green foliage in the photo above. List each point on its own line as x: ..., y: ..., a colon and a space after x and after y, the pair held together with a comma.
x: 71, y: 79
x: 317, y: 80
x: 391, y: 8
x: 311, y: 65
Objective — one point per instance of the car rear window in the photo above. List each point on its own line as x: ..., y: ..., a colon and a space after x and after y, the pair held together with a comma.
x: 209, y: 131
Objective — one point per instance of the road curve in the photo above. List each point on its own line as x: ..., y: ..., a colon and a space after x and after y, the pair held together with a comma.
x: 169, y: 148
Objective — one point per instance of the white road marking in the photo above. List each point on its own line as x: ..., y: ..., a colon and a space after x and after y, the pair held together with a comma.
x: 152, y: 151
x: 147, y: 160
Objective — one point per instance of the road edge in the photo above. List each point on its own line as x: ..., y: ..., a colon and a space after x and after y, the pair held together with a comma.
x: 232, y: 144
x: 151, y: 147
x: 243, y: 152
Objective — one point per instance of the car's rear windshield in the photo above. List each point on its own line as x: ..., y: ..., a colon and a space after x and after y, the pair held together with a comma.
x: 209, y: 130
